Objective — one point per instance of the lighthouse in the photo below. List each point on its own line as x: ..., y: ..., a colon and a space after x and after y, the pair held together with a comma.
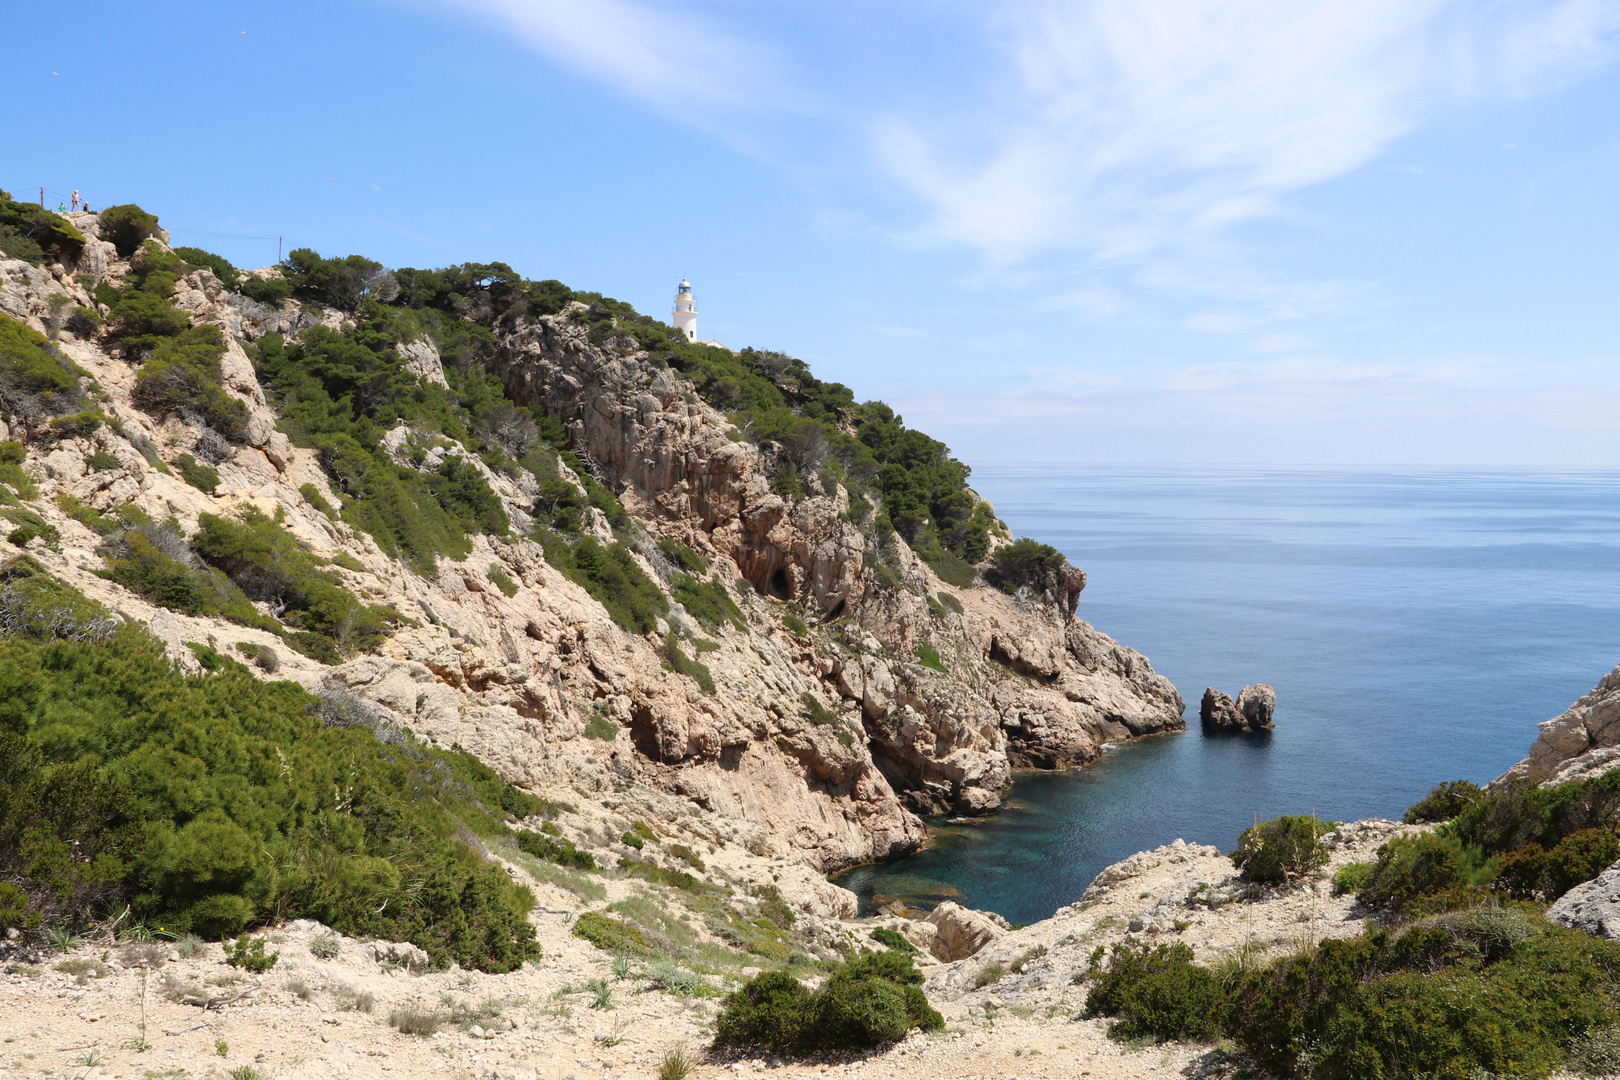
x: 685, y: 314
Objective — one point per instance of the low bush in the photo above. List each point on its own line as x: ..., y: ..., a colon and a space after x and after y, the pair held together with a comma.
x: 815, y: 712
x: 612, y: 577
x: 949, y: 602
x: 866, y: 1002
x: 929, y: 658
x: 989, y: 975
x: 1156, y: 993
x: 682, y: 664
x: 658, y: 875
x: 1023, y: 562
x: 795, y: 625
x: 683, y: 556
x: 1415, y: 870
x: 952, y: 569
x: 892, y: 939
x: 502, y: 580
x: 32, y: 233
x: 1352, y: 877
x: 706, y: 601
x: 1531, y: 873
x: 200, y: 476
x: 127, y: 227
x: 273, y: 291
x: 609, y: 934
x: 600, y: 727
x: 266, y: 563
x: 248, y: 952
x: 1283, y: 849
x: 555, y: 849
x: 228, y: 275
x: 326, y: 946
x: 35, y: 379
x: 416, y: 1021
x: 1446, y: 801
x: 213, y: 802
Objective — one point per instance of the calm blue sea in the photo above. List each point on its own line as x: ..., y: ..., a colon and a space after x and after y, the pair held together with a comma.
x: 1416, y: 625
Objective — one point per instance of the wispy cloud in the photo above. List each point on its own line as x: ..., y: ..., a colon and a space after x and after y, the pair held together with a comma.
x: 673, y: 60
x: 1124, y: 125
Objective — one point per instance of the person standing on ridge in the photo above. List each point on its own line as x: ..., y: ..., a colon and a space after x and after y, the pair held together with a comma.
x: 75, y: 198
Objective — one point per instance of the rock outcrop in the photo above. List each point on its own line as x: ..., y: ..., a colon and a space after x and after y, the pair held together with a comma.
x: 1593, y: 906
x: 1581, y: 742
x: 1252, y: 711
x: 516, y: 679
x: 960, y: 932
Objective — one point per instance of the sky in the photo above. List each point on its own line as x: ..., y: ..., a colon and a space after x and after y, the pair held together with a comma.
x: 1281, y: 232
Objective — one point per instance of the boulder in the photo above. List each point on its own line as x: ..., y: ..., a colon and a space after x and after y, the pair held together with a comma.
x: 1218, y: 712
x: 1257, y: 704
x: 1252, y: 711
x: 960, y: 932
x: 1593, y: 906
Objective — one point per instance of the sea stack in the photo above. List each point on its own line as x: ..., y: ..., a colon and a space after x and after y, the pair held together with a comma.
x: 1252, y: 711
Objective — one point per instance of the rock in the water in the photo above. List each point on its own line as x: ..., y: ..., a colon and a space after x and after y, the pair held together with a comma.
x: 1256, y: 704
x: 1252, y: 711
x: 1593, y: 907
x: 1218, y: 712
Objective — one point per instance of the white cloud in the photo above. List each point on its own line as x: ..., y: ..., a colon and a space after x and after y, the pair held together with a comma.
x: 1125, y: 125
x: 669, y: 57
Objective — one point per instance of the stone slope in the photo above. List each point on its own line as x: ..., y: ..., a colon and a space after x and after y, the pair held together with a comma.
x: 514, y: 679
x: 1581, y: 742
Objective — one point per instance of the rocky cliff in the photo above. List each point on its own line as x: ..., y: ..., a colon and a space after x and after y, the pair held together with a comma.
x: 826, y: 733
x: 1581, y: 742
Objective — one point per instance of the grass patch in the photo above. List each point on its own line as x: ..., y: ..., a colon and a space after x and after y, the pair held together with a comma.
x: 952, y: 569
x: 928, y: 658
x: 682, y: 664
x: 610, y: 935
x: 202, y: 477
x: 706, y: 601
x: 600, y: 727
x: 683, y: 556
x: 502, y: 580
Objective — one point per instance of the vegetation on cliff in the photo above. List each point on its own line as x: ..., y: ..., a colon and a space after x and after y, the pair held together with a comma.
x: 214, y: 802
x: 1466, y: 978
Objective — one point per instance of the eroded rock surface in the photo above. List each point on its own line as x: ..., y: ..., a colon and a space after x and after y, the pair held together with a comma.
x: 1581, y: 742
x: 1593, y: 906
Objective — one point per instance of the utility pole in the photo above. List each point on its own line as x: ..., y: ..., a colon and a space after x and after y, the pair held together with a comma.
x: 42, y: 196
x: 278, y: 249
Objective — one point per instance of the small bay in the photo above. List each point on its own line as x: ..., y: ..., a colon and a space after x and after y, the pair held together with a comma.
x: 1416, y: 624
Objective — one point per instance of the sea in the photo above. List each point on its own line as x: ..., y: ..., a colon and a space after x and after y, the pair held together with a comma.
x: 1416, y: 623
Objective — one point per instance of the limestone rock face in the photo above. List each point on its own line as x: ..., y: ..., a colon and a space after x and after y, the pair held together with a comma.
x: 960, y: 932
x: 1581, y: 742
x: 1252, y: 711
x: 1257, y: 704
x: 1593, y: 906
x: 544, y: 686
x: 1218, y: 712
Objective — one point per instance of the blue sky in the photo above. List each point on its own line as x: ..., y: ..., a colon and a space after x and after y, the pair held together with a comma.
x: 1175, y: 231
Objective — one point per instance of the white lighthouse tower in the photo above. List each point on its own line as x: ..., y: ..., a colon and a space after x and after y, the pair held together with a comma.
x: 685, y: 315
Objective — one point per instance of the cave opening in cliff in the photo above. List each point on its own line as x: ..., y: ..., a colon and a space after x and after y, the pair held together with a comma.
x: 779, y: 585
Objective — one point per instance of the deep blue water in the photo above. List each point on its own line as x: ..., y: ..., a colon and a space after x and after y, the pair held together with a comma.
x: 1416, y: 625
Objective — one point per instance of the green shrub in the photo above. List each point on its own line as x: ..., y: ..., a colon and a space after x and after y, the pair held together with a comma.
x: 503, y: 581
x: 248, y: 952
x: 273, y: 291
x: 1023, y: 562
x: 815, y: 712
x: 610, y: 935
x: 77, y: 426
x: 200, y: 476
x: 313, y: 496
x: 1283, y: 849
x: 555, y: 849
x: 126, y: 227
x: 633, y: 840
x: 1445, y: 802
x: 1156, y: 993
x: 35, y: 379
x: 610, y: 574
x: 1352, y: 877
x: 795, y: 625
x: 209, y: 803
x: 30, y: 232
x: 228, y: 275
x: 682, y: 664
x: 683, y: 556
x: 1531, y: 873
x: 600, y: 727
x: 866, y: 1002
x: 989, y: 975
x: 892, y: 939
x: 952, y: 569
x: 949, y: 602
x: 344, y: 283
x: 1492, y: 989
x: 706, y: 601
x: 264, y: 560
x: 262, y: 655
x: 1414, y: 869
x: 928, y: 658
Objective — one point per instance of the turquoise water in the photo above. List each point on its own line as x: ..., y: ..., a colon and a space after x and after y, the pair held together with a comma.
x: 1416, y: 625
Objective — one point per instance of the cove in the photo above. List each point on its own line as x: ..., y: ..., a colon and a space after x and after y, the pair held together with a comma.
x: 1416, y: 624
